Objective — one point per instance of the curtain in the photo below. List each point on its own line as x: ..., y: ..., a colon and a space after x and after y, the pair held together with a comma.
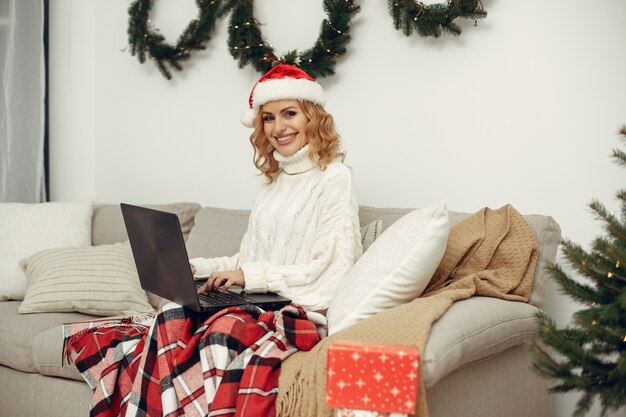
x: 22, y: 108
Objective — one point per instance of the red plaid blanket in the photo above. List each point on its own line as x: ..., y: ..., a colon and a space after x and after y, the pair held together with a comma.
x: 174, y: 363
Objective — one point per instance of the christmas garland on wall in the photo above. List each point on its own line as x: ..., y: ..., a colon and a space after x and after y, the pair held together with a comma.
x: 247, y: 45
x: 146, y: 41
x: 432, y: 19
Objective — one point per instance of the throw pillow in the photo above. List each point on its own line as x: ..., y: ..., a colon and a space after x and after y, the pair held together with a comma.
x: 370, y: 233
x: 98, y: 280
x: 395, y: 270
x: 26, y: 229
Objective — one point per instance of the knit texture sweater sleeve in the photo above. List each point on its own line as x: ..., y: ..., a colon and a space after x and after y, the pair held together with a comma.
x: 206, y: 266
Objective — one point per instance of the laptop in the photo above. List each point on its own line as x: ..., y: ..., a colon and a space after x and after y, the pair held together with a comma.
x: 163, y: 266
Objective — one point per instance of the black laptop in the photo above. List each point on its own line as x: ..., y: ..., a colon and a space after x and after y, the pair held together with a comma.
x: 163, y: 265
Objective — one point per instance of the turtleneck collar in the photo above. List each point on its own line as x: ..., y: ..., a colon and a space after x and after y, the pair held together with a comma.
x: 297, y: 163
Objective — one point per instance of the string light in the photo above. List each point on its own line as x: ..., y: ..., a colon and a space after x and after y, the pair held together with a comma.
x: 609, y: 275
x: 330, y: 24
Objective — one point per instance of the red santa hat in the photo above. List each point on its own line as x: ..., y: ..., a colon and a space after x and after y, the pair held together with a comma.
x: 283, y: 82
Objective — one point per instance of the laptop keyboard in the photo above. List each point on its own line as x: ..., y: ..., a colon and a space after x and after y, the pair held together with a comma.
x: 223, y: 297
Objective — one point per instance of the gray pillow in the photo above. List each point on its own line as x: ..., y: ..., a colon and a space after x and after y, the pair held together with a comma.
x: 107, y: 224
x: 99, y: 280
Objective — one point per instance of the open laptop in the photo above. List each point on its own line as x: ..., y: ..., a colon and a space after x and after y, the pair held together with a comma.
x: 163, y: 266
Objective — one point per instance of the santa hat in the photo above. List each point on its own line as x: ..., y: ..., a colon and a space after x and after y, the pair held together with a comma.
x: 283, y: 82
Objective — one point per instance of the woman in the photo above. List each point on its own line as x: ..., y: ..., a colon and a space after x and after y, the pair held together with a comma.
x: 303, y: 233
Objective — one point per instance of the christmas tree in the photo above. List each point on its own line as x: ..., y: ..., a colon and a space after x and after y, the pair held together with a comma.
x: 590, y: 355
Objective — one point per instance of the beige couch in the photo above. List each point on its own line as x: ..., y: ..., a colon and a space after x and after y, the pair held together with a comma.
x: 475, y: 362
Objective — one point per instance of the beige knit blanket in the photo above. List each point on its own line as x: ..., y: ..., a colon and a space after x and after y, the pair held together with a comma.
x: 491, y: 253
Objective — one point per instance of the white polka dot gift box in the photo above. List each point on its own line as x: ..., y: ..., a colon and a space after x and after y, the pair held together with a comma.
x: 366, y: 379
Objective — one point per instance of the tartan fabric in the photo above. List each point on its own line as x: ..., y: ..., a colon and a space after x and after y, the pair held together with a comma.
x: 176, y: 363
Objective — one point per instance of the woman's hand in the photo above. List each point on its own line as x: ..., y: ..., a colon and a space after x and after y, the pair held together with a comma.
x: 224, y: 279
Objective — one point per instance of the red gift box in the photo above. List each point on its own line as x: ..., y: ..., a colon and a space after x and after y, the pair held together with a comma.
x: 372, y: 376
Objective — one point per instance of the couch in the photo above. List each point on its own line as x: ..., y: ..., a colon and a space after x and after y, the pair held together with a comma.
x: 475, y: 362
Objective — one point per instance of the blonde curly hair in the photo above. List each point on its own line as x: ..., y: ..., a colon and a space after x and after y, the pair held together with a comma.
x: 322, y: 138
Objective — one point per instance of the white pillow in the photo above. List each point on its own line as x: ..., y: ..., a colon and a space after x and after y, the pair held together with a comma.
x: 26, y: 229
x: 395, y: 269
x: 100, y: 280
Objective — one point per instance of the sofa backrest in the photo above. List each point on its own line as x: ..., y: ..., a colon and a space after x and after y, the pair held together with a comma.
x: 212, y: 232
x: 218, y: 232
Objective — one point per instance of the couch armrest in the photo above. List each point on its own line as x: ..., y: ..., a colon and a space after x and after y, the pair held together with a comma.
x: 472, y: 330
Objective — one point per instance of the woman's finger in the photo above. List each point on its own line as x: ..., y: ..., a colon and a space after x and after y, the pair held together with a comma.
x: 210, y: 281
x: 202, y: 288
x: 218, y: 282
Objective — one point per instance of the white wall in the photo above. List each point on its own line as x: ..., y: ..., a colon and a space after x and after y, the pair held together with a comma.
x: 524, y: 108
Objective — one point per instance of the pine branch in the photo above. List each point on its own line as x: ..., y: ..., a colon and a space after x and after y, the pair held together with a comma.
x: 612, y: 224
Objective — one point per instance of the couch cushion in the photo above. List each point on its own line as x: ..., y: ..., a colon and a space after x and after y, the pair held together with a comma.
x: 548, y: 235
x: 26, y: 229
x: 18, y: 331
x: 100, y: 280
x: 370, y: 232
x: 475, y: 329
x: 108, y: 224
x: 217, y: 232
x: 47, y: 355
x: 395, y: 270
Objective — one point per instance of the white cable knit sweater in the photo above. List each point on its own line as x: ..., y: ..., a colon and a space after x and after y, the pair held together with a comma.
x: 303, y: 234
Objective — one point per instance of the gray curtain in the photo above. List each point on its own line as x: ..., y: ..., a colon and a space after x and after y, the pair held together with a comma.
x: 22, y: 93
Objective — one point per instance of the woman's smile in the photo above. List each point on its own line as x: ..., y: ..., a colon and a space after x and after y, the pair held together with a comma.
x: 286, y: 139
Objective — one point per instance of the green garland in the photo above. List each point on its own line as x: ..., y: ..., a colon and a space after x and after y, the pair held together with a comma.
x: 430, y: 20
x: 145, y: 41
x: 247, y: 45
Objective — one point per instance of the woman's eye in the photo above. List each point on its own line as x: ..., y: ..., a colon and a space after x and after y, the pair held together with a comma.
x: 290, y: 114
x: 267, y: 118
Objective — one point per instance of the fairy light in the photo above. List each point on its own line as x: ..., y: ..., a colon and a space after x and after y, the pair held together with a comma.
x: 331, y: 25
x: 609, y: 275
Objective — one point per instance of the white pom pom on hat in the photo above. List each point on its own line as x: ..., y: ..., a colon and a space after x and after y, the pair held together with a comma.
x: 283, y: 82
